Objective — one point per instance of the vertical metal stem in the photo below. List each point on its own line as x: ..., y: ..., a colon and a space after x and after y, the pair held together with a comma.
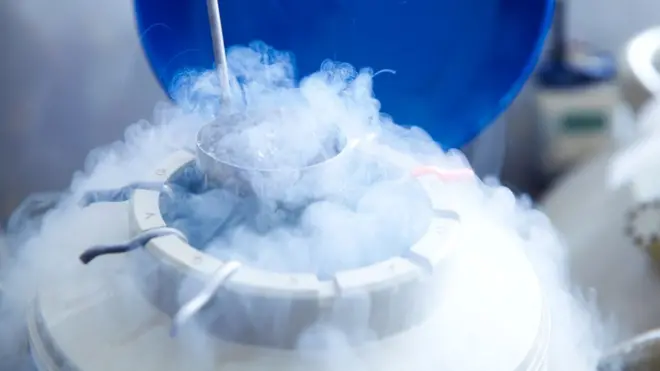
x: 218, y: 46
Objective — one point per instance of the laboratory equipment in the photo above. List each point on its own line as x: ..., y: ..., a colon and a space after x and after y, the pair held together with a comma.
x: 136, y: 290
x: 577, y: 96
x: 67, y: 312
x: 452, y: 75
x: 606, y: 208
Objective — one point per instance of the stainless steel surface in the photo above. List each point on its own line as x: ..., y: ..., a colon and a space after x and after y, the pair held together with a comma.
x: 268, y: 183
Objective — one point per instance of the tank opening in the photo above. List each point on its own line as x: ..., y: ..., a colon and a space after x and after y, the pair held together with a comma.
x: 284, y: 218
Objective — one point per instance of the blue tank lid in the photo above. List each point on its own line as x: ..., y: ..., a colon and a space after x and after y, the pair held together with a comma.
x: 458, y: 63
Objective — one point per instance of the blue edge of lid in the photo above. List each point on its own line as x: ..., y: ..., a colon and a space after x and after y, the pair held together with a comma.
x: 458, y: 64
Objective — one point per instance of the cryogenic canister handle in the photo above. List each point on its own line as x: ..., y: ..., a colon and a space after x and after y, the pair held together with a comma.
x: 640, y: 78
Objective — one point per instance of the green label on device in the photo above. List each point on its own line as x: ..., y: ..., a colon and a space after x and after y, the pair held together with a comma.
x: 584, y: 122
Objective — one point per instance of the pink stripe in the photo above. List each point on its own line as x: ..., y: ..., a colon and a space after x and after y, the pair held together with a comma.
x: 451, y: 175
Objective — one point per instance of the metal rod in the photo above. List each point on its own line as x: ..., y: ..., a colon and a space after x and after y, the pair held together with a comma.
x: 218, y: 46
x: 559, y: 40
x: 200, y: 300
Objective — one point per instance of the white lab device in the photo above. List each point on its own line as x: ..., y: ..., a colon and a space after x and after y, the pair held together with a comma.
x: 607, y: 208
x: 576, y: 96
x: 576, y: 122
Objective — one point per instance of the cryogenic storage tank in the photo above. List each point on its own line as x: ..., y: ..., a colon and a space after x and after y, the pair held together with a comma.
x: 118, y: 313
x: 162, y: 302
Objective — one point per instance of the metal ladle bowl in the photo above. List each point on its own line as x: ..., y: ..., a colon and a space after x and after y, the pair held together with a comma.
x: 272, y: 183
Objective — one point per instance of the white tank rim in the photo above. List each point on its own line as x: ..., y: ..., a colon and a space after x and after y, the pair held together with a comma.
x: 400, y: 279
x: 146, y: 214
x: 62, y: 332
